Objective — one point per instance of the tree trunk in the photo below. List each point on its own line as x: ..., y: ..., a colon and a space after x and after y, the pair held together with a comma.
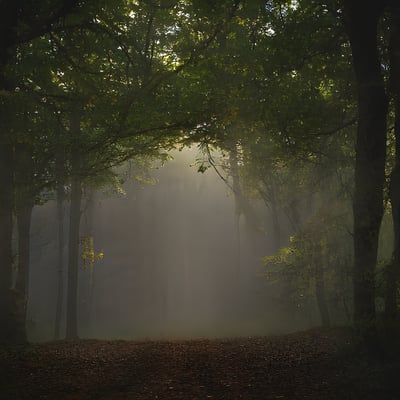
x: 393, y: 269
x: 74, y: 226
x: 320, y: 294
x: 234, y: 169
x: 8, y: 324
x: 24, y: 214
x: 60, y: 260
x: 73, y: 257
x: 87, y: 232
x: 25, y: 192
x: 361, y: 18
x: 276, y: 223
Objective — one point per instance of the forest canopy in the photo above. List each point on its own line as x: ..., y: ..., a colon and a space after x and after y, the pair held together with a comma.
x: 302, y: 98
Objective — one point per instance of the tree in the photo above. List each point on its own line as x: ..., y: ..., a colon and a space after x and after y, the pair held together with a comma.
x: 19, y: 24
x: 393, y: 268
x: 121, y: 86
x: 361, y: 20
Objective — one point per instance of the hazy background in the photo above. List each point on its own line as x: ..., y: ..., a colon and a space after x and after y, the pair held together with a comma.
x: 175, y: 263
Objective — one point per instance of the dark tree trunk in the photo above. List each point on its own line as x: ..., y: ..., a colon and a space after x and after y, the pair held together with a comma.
x: 393, y: 269
x: 361, y: 19
x: 24, y: 203
x: 8, y: 15
x: 7, y: 316
x: 73, y: 257
x: 24, y: 214
x: 60, y: 260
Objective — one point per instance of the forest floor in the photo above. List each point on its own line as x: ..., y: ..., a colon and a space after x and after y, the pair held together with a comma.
x: 308, y: 365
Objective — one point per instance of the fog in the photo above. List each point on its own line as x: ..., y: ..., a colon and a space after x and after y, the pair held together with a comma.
x: 178, y: 263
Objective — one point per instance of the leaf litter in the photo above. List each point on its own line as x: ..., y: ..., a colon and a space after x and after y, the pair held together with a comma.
x: 308, y: 365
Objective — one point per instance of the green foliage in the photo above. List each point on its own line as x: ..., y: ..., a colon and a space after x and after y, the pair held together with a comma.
x: 88, y: 254
x: 118, y: 80
x: 322, y: 245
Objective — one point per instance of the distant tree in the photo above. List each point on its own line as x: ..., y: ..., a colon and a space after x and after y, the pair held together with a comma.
x: 316, y: 265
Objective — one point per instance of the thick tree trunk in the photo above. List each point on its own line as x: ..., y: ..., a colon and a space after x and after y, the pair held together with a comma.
x: 393, y: 269
x: 362, y: 18
x: 7, y: 316
x: 7, y: 322
x: 73, y: 257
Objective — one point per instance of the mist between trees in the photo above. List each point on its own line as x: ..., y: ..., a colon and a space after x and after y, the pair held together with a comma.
x: 287, y: 109
x: 178, y: 262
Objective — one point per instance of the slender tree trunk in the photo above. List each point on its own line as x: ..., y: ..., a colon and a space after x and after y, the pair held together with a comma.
x: 73, y: 257
x: 73, y: 239
x: 88, y: 219
x: 8, y: 24
x: 276, y: 223
x: 293, y: 215
x: 24, y: 214
x: 320, y: 293
x: 60, y: 260
x: 24, y: 203
x: 393, y: 269
x: 233, y: 163
x: 7, y: 318
x: 361, y: 19
x: 276, y: 228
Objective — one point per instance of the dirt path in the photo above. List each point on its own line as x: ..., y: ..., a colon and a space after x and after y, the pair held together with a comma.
x: 298, y: 366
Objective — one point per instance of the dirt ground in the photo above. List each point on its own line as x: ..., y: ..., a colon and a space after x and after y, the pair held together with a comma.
x: 308, y: 365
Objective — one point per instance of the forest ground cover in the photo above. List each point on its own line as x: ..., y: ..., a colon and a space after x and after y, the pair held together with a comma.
x: 317, y: 364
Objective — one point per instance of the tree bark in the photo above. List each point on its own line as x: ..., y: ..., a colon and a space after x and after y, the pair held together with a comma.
x: 361, y: 19
x: 24, y: 214
x: 7, y: 318
x: 393, y: 269
x: 8, y: 21
x: 25, y: 193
